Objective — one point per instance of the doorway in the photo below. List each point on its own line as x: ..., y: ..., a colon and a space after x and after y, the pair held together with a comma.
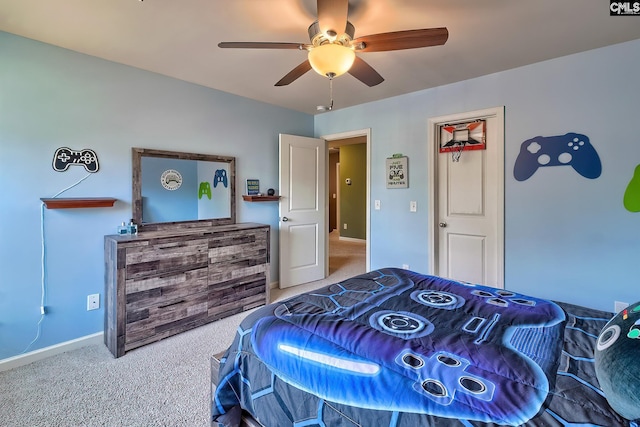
x: 354, y: 221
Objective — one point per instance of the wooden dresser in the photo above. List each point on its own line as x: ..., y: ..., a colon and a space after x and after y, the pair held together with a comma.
x: 161, y: 283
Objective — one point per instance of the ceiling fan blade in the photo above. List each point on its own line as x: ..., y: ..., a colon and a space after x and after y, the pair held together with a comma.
x: 260, y: 45
x: 332, y: 15
x: 294, y: 74
x: 365, y: 73
x: 399, y: 40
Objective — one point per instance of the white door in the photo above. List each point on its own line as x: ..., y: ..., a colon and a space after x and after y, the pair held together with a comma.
x: 467, y: 203
x: 303, y: 209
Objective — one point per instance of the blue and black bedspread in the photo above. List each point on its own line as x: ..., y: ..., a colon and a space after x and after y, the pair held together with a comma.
x: 397, y: 348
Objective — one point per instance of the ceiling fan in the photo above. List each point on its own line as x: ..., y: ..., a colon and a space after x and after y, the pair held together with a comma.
x: 332, y: 51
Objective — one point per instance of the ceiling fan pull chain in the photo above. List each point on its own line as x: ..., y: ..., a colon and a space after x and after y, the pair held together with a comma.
x: 331, y: 94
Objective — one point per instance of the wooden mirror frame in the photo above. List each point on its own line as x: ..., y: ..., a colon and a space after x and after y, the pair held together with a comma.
x: 136, y: 196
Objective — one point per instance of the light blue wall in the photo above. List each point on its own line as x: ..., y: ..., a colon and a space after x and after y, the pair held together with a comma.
x: 567, y: 237
x: 52, y: 97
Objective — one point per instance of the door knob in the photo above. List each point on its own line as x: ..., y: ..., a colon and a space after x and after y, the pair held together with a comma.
x: 442, y: 224
x: 285, y: 219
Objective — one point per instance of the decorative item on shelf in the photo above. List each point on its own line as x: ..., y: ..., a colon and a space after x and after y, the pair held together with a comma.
x: 271, y: 192
x: 133, y: 228
x: 253, y: 187
x: 64, y: 157
x: 397, y: 171
x: 123, y: 229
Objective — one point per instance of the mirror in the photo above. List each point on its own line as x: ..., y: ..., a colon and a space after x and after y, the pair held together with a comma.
x: 189, y: 189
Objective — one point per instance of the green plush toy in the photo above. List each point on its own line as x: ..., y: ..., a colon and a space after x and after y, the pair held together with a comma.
x: 618, y: 362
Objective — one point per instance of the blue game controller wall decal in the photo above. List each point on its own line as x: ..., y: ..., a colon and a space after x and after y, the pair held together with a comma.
x: 220, y: 177
x: 571, y: 149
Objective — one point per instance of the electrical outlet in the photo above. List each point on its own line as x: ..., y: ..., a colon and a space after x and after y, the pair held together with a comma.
x: 413, y: 206
x: 93, y: 302
x: 376, y: 205
x: 619, y: 306
x: 405, y: 266
x: 345, y: 226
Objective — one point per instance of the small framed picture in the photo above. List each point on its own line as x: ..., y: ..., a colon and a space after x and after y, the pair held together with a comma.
x: 253, y: 187
x: 397, y: 169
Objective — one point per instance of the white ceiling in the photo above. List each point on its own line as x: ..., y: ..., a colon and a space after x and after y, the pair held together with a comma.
x: 178, y: 38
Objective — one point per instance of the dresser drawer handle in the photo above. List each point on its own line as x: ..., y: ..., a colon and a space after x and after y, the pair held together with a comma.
x: 170, y: 304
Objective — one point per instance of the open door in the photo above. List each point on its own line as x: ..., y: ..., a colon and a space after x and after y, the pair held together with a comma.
x: 303, y: 210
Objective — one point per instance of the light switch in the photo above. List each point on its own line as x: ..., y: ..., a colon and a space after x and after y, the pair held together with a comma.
x: 413, y: 206
x: 376, y: 205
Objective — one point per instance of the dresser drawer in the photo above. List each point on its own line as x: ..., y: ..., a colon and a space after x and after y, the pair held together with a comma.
x: 237, y: 295
x: 166, y: 255
x: 164, y: 288
x: 164, y: 305
x: 158, y: 322
x: 238, y: 254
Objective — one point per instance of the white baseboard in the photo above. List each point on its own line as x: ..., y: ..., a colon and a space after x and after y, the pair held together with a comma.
x: 43, y: 353
x: 352, y: 239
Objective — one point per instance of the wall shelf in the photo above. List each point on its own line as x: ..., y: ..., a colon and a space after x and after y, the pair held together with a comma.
x: 78, y: 202
x: 260, y: 198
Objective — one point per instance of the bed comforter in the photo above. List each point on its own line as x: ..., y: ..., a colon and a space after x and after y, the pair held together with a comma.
x: 397, y: 348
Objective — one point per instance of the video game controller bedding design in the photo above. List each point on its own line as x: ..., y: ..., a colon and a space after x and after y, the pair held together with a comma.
x: 64, y: 157
x: 571, y: 149
x: 447, y: 349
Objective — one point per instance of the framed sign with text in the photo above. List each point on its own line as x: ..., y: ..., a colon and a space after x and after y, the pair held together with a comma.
x: 397, y: 169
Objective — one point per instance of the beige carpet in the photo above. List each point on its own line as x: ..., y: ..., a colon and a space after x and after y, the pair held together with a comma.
x: 162, y: 384
x: 346, y: 259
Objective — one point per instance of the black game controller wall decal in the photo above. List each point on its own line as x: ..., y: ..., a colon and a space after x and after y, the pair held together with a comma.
x: 571, y: 149
x: 63, y: 157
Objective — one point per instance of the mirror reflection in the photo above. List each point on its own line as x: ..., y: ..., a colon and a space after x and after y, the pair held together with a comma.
x: 170, y: 187
x: 184, y: 190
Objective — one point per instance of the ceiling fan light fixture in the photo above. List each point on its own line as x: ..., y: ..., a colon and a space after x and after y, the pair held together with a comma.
x: 331, y: 59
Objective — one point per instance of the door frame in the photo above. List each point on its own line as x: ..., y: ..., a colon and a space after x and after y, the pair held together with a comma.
x: 344, y: 135
x: 432, y: 162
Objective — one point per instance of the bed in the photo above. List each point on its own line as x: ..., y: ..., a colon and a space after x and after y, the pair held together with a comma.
x: 396, y: 348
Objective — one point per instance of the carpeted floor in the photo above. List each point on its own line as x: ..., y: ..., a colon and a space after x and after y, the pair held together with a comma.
x: 162, y: 384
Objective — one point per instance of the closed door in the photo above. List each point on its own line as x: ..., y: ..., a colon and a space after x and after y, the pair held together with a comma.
x: 467, y: 206
x: 303, y: 212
